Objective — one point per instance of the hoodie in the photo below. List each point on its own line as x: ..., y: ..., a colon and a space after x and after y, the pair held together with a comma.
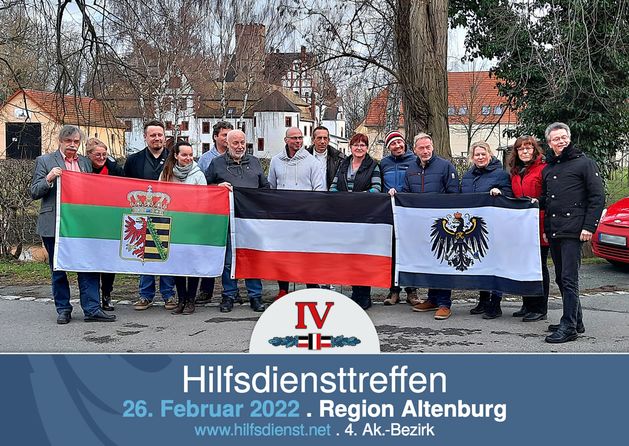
x: 301, y: 172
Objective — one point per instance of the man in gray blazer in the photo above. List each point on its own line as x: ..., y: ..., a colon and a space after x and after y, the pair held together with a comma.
x: 48, y: 168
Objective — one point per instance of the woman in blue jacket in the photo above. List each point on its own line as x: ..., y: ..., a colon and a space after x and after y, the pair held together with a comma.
x: 486, y: 175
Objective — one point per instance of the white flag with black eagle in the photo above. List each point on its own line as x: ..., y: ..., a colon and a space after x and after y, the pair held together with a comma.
x: 467, y: 241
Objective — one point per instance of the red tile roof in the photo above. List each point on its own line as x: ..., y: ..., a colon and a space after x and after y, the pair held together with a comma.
x: 77, y: 110
x: 472, y: 90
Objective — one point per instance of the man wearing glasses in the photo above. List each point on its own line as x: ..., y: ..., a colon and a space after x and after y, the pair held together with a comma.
x: 573, y: 200
x: 295, y: 169
x: 48, y: 168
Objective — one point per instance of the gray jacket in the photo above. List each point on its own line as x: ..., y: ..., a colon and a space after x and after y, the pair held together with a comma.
x: 40, y: 189
x: 247, y: 173
x: 301, y: 172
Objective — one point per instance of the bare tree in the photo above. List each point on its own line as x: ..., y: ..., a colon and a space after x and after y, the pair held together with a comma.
x: 404, y: 40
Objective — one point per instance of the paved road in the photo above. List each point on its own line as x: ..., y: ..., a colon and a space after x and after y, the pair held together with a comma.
x: 27, y: 324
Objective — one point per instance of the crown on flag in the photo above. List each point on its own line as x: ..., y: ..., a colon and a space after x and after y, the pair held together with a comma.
x: 148, y: 202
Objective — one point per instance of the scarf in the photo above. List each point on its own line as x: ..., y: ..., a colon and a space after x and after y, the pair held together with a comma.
x: 182, y: 172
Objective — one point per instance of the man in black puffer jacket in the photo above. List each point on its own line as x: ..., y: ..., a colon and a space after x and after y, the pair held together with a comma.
x: 573, y: 198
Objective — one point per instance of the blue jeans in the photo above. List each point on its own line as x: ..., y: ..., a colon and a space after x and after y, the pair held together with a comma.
x: 166, y: 287
x: 442, y: 298
x: 230, y: 286
x: 88, y: 286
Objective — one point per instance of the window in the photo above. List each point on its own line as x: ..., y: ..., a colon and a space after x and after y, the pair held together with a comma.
x: 255, y: 122
x: 183, y: 126
x: 231, y: 111
x: 241, y: 126
x: 260, y: 144
x: 205, y: 147
x: 128, y: 126
x: 485, y: 110
x: 249, y: 148
x: 463, y: 110
x: 95, y: 134
x: 288, y: 121
x: 205, y: 127
x: 306, y: 130
x: 169, y: 125
x: 451, y: 111
x: 183, y: 104
x: 498, y: 110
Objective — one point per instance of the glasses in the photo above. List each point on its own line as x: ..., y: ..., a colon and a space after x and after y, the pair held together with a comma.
x: 360, y: 146
x: 99, y: 155
x: 560, y: 138
x: 525, y: 149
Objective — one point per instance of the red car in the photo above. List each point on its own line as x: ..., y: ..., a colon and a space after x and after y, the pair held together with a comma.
x: 610, y: 241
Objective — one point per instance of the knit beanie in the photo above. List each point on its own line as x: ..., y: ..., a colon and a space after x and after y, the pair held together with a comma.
x: 392, y: 136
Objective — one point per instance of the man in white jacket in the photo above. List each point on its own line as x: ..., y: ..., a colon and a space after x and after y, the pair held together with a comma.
x: 295, y: 169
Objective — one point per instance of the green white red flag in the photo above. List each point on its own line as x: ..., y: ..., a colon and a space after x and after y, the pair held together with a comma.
x: 124, y: 225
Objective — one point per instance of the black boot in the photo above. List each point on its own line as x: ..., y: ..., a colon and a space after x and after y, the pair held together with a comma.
x: 521, y: 312
x: 105, y: 303
x: 493, y: 309
x: 257, y: 305
x: 481, y: 306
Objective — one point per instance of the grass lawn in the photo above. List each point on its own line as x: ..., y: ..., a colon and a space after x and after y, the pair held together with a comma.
x: 14, y: 272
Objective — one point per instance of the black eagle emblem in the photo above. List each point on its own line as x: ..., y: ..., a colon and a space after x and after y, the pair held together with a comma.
x: 459, y: 240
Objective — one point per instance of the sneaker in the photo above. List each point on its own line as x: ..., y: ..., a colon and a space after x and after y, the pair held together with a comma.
x: 226, y: 305
x: 443, y: 313
x: 142, y: 304
x: 425, y: 306
x: 413, y: 299
x: 392, y: 298
x: 281, y: 294
x: 170, y: 304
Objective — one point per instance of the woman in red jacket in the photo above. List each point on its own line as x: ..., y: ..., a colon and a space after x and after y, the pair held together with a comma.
x: 526, y: 163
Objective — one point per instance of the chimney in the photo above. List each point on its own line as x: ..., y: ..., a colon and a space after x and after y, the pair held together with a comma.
x: 303, y: 53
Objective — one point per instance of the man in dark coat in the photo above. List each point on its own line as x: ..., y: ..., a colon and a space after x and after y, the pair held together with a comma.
x: 48, y: 168
x: 328, y: 156
x: 573, y: 199
x: 147, y: 164
x: 431, y: 174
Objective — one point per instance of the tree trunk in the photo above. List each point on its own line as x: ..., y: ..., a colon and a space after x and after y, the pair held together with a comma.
x: 421, y: 34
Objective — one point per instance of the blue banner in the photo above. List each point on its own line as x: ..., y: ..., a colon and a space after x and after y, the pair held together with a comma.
x: 374, y: 399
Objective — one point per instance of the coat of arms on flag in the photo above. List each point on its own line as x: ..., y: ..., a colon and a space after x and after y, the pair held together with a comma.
x: 146, y: 232
x: 459, y: 240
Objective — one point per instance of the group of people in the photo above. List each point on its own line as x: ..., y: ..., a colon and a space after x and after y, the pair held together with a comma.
x: 565, y: 182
